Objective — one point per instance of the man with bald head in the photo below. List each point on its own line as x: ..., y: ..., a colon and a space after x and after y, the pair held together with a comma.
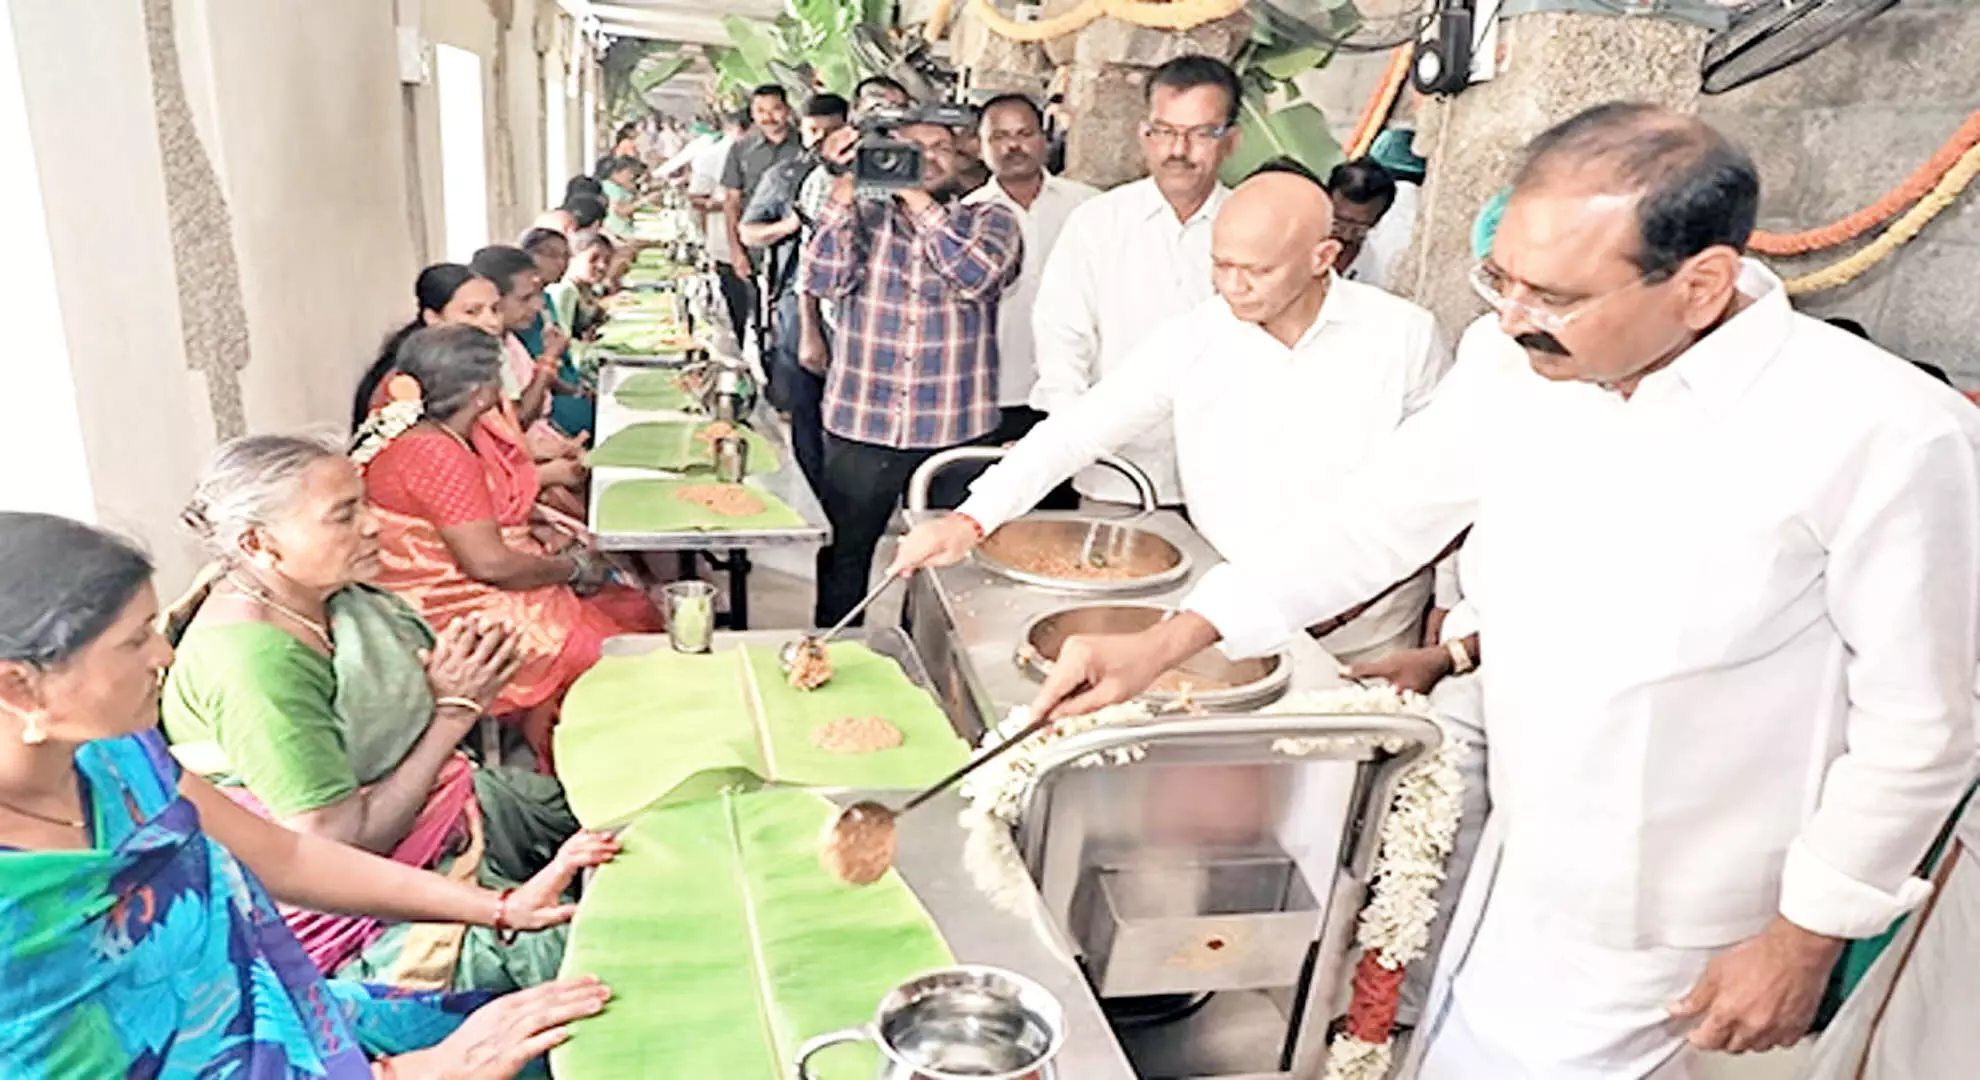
x: 1725, y: 561
x: 1289, y: 379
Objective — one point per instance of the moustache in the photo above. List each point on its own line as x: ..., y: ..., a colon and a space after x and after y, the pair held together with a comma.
x: 1180, y: 163
x: 1542, y: 343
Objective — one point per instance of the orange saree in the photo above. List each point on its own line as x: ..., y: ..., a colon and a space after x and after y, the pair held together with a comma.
x: 426, y: 480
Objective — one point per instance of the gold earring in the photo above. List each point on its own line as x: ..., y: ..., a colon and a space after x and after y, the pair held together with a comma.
x: 32, y: 733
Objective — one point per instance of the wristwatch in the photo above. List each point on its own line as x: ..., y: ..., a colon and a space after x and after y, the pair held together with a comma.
x: 1461, y: 661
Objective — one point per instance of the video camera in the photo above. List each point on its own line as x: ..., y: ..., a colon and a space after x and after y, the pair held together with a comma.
x: 881, y: 161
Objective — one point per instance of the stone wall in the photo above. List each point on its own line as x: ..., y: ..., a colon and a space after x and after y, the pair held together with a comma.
x: 1834, y: 133
x: 1472, y: 140
x: 1830, y: 135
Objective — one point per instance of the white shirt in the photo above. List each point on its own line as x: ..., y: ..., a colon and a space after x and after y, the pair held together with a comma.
x: 1252, y: 423
x: 1122, y: 265
x: 1382, y: 250
x: 685, y: 155
x: 705, y: 178
x: 1729, y: 621
x: 1017, y: 369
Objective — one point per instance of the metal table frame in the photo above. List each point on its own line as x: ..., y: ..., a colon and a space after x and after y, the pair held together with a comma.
x: 724, y: 551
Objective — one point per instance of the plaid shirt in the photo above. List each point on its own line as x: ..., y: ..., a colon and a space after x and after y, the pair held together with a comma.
x: 914, y: 363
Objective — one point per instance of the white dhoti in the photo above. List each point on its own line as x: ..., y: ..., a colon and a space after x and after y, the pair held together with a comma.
x: 1515, y: 998
x: 1909, y: 1018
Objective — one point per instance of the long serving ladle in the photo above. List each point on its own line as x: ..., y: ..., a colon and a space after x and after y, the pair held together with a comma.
x: 859, y: 842
x: 815, y: 643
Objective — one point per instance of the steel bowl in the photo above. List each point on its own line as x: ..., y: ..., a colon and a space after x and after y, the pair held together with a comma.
x: 1246, y: 684
x: 1151, y: 562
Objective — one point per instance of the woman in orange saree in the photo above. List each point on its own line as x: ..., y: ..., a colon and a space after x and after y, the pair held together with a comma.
x: 461, y: 533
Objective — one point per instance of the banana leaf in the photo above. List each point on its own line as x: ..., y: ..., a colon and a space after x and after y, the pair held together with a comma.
x: 673, y: 446
x: 644, y: 337
x: 1283, y: 62
x: 726, y: 945
x: 655, y: 391
x: 650, y: 506
x: 668, y: 727
x: 756, y: 43
x: 654, y: 71
x: 1298, y: 131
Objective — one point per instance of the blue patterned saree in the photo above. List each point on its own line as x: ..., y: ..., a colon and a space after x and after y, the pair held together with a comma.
x: 156, y: 954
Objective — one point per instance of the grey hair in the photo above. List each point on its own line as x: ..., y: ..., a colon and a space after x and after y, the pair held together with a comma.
x: 249, y: 482
x: 450, y: 363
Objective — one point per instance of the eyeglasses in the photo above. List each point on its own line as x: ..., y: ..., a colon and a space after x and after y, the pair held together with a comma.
x: 1167, y: 134
x: 1491, y: 284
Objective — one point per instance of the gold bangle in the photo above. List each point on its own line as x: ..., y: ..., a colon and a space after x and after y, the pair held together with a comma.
x: 469, y: 704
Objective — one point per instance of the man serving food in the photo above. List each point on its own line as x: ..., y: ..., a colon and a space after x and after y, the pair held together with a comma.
x: 1289, y: 373
x: 1727, y: 562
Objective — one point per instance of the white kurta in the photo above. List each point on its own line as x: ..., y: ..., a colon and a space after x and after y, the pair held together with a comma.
x: 1730, y: 633
x: 1251, y: 423
x: 1380, y: 261
x: 1123, y: 264
x: 705, y: 178
x: 1042, y: 221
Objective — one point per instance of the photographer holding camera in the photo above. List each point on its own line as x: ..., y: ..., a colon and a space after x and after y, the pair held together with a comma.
x: 916, y: 277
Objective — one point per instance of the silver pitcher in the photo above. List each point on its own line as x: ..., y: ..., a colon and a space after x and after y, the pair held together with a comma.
x: 963, y: 1023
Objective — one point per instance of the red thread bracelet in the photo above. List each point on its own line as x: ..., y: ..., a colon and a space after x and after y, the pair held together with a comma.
x: 973, y: 524
x: 504, y: 931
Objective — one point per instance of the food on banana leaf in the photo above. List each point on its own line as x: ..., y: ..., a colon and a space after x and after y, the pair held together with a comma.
x: 811, y: 666
x: 855, y: 735
x: 726, y: 500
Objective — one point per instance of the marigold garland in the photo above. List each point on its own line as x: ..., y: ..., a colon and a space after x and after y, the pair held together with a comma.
x: 1154, y: 14
x: 1171, y: 14
x: 1382, y: 102
x: 1856, y: 265
x: 1914, y: 187
x: 1066, y: 22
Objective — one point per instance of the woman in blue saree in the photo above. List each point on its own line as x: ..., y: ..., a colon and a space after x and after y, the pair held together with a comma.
x: 136, y: 937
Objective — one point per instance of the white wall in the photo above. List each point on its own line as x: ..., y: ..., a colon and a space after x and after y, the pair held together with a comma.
x: 49, y: 470
x: 307, y: 129
x: 314, y: 142
x: 145, y: 423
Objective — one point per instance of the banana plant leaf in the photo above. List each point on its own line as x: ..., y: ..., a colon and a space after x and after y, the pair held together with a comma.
x: 653, y: 506
x: 654, y: 72
x: 736, y: 70
x: 1298, y: 131
x: 668, y: 727
x: 644, y: 337
x: 726, y: 945
x: 756, y: 42
x: 655, y: 391
x: 673, y: 446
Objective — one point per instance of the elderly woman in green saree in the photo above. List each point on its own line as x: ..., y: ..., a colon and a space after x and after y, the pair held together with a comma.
x: 137, y: 937
x: 320, y: 702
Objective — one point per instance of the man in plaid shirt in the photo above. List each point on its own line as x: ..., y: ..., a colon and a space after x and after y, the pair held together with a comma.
x: 916, y: 278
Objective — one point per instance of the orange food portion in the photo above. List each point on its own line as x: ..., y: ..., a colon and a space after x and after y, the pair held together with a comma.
x: 855, y: 735
x: 726, y: 500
